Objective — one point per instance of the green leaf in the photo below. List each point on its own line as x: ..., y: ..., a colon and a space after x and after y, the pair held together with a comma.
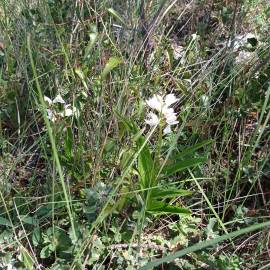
x: 5, y: 222
x: 203, y: 245
x: 46, y: 252
x: 29, y: 220
x: 162, y: 207
x: 169, y: 193
x: 181, y: 165
x: 192, y: 149
x: 146, y: 166
x: 68, y: 143
x: 36, y: 236
x: 111, y: 64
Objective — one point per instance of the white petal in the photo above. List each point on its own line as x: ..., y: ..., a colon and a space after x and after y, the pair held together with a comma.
x: 48, y: 100
x: 68, y: 112
x: 152, y: 119
x: 170, y: 116
x: 171, y: 122
x: 167, y: 111
x: 170, y: 99
x: 58, y: 99
x: 167, y: 130
x: 171, y: 119
x: 51, y: 115
x: 156, y: 102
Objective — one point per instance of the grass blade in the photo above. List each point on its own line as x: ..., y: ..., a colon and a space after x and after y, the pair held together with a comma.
x: 205, y: 244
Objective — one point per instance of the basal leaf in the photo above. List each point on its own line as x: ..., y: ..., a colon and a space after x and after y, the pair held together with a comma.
x: 169, y: 193
x: 181, y: 165
x: 161, y: 207
x: 191, y: 149
x: 146, y: 165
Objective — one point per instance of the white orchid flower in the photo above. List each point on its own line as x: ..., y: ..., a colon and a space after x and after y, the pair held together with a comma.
x: 68, y: 111
x: 48, y: 100
x: 167, y: 130
x: 162, y: 105
x: 156, y: 102
x: 152, y: 119
x: 52, y: 112
x: 51, y: 115
x: 58, y: 99
x: 171, y: 118
x: 170, y: 99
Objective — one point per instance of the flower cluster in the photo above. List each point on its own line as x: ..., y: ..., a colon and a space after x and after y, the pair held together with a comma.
x: 67, y: 110
x: 162, y: 106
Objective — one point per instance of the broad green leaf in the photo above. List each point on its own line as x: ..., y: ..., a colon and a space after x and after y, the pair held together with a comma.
x: 161, y: 207
x: 181, y: 165
x: 191, y: 149
x: 5, y: 222
x: 116, y: 15
x: 169, y: 193
x: 204, y: 244
x: 111, y: 64
x: 146, y: 165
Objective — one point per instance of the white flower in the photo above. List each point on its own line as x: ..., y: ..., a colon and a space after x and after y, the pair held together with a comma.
x: 162, y: 105
x: 167, y: 130
x: 53, y: 112
x: 51, y: 115
x: 170, y: 99
x: 59, y: 99
x: 152, y: 119
x: 171, y: 119
x: 156, y: 102
x: 48, y: 100
x: 67, y: 111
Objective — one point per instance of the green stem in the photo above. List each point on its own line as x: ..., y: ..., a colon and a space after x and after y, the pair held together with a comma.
x: 51, y: 137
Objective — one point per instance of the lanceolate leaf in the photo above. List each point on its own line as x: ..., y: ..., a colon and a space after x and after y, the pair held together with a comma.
x: 182, y: 164
x: 145, y: 165
x: 155, y: 206
x: 191, y: 149
x: 169, y: 193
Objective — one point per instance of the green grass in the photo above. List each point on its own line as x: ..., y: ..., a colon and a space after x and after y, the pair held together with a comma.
x: 100, y: 189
